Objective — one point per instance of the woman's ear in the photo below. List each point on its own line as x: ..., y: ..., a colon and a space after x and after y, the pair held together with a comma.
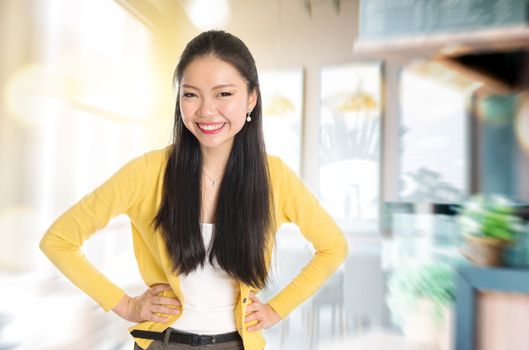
x: 252, y: 100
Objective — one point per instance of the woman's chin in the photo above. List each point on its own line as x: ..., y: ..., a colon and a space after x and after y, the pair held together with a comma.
x: 215, y: 144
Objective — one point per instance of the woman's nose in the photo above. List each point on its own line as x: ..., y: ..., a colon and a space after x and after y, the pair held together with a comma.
x: 207, y: 108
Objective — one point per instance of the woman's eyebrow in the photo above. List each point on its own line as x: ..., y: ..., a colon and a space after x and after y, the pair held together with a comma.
x: 224, y: 86
x: 187, y: 86
x: 214, y: 88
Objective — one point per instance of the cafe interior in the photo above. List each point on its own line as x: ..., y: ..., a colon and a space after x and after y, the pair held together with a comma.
x: 408, y: 120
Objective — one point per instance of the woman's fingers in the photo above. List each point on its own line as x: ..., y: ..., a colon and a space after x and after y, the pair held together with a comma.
x: 256, y: 327
x: 157, y: 288
x: 166, y: 301
x: 265, y: 316
x: 254, y: 311
x: 159, y: 304
x: 253, y: 316
x: 254, y: 298
x: 164, y: 310
x: 152, y: 307
x: 252, y: 308
x: 156, y: 318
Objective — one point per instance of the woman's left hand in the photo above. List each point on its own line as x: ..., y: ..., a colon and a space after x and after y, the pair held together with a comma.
x: 264, y: 314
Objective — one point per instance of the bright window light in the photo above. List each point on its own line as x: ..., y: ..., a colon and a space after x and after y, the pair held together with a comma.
x: 208, y: 14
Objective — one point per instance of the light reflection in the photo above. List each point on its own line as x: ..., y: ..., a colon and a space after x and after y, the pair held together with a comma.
x: 86, y: 88
x: 207, y: 14
x: 75, y: 82
x: 31, y: 87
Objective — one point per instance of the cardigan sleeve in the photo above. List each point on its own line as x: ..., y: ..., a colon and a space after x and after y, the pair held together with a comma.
x: 63, y: 240
x: 299, y: 206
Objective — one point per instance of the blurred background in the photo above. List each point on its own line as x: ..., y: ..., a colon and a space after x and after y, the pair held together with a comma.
x: 408, y: 119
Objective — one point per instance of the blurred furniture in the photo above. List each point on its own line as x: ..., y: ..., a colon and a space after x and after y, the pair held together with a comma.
x: 364, y: 289
x: 494, y: 301
x: 354, y: 295
x: 331, y: 295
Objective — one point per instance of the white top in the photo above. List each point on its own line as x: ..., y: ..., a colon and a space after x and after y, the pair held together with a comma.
x: 210, y: 296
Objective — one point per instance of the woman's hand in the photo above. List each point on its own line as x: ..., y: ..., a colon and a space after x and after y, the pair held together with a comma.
x: 144, y: 307
x: 264, y: 314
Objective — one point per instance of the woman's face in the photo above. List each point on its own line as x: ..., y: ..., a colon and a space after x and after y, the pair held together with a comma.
x: 214, y: 101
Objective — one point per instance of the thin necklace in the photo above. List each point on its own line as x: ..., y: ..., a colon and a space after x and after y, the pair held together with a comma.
x: 213, y: 181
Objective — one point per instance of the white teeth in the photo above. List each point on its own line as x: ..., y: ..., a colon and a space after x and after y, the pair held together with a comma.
x: 211, y: 127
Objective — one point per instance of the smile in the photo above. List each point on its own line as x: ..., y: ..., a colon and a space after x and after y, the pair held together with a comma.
x: 210, y: 128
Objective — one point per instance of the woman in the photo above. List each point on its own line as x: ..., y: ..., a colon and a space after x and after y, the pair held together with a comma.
x: 204, y: 212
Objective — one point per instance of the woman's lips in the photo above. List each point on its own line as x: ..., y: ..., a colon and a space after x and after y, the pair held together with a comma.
x: 210, y: 128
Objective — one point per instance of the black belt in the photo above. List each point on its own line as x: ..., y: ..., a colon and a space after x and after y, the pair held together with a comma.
x: 175, y: 336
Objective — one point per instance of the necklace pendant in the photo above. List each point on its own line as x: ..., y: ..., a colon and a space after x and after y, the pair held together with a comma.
x: 213, y: 183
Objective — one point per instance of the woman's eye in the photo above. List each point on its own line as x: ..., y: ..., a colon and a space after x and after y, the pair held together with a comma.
x: 224, y: 94
x: 188, y: 94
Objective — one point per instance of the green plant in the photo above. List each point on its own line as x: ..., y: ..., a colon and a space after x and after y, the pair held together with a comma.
x: 489, y: 216
x: 432, y: 281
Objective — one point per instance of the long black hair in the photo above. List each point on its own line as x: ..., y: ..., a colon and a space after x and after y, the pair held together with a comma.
x: 244, y: 216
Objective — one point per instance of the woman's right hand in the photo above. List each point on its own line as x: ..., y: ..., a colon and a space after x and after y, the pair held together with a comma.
x: 144, y: 307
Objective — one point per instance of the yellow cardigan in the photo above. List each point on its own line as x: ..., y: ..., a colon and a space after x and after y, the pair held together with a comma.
x: 136, y: 190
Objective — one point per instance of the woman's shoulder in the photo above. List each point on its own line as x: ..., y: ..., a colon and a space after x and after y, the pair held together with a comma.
x: 151, y: 162
x: 158, y: 155
x: 160, y: 152
x: 279, y: 170
x: 275, y: 163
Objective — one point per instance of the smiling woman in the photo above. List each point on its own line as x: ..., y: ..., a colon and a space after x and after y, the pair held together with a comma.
x: 214, y: 101
x: 204, y: 211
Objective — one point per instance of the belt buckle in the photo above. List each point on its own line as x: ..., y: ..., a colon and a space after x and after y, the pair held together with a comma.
x: 206, y: 340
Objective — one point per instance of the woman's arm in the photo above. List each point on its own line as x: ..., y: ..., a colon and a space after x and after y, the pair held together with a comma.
x: 299, y: 206
x: 62, y: 242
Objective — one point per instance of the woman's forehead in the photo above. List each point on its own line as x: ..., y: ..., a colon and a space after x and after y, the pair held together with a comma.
x: 210, y: 72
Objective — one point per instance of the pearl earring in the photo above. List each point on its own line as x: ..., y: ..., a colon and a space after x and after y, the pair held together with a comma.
x: 248, y: 118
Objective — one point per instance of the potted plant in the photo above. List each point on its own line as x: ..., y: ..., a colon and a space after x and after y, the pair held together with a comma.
x: 488, y: 225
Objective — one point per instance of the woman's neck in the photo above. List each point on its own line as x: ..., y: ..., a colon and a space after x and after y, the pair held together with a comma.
x: 214, y: 160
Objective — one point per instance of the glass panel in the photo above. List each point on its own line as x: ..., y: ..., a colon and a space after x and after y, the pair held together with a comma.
x: 282, y: 94
x: 350, y: 145
x: 433, y: 135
